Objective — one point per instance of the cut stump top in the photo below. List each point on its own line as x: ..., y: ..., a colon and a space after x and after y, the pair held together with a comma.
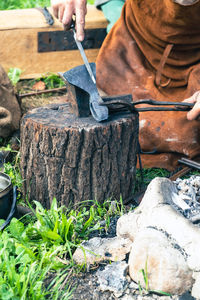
x: 59, y: 116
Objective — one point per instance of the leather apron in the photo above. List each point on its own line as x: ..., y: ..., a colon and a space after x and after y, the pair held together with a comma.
x: 153, y: 51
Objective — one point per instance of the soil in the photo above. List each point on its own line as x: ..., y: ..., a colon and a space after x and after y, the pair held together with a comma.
x: 86, y: 287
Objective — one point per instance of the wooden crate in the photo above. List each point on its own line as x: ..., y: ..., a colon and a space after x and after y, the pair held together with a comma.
x: 19, y: 30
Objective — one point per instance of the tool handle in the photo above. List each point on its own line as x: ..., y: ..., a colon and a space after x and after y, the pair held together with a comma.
x: 72, y: 26
x: 155, y: 102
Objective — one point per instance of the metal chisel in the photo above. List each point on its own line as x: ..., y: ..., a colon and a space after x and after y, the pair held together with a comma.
x: 82, y: 52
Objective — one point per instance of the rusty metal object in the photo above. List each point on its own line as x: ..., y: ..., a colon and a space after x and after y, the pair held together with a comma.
x: 180, y: 173
x: 49, y: 41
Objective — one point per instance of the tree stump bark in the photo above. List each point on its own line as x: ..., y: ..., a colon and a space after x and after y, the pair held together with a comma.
x: 76, y: 159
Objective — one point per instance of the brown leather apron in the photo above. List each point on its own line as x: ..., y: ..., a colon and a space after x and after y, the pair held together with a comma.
x: 153, y: 51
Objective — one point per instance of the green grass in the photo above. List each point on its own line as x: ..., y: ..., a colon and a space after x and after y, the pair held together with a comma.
x: 34, y: 249
x: 19, y: 4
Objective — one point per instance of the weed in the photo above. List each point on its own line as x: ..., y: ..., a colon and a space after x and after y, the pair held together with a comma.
x: 14, y: 75
x: 145, y: 276
x: 52, y: 81
x: 146, y: 281
x: 22, y: 276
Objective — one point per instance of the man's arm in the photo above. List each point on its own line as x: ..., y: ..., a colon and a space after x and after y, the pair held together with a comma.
x: 194, y: 113
x: 64, y: 10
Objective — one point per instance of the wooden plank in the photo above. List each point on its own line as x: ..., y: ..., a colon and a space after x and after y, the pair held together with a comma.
x: 33, y: 18
x: 19, y: 43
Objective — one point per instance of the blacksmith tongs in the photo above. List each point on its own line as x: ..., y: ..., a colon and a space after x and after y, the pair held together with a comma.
x: 125, y: 102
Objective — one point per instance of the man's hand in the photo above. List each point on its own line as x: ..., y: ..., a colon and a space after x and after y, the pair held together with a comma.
x: 195, y: 111
x: 65, y: 9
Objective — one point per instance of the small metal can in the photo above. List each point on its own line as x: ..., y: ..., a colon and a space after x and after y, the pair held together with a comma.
x: 6, y: 195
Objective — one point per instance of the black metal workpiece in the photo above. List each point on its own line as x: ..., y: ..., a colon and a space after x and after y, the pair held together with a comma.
x: 83, y: 94
x: 50, y: 41
x: 78, y: 99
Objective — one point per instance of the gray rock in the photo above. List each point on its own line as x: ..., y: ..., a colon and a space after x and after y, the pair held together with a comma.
x: 196, y: 286
x: 156, y: 211
x: 113, y: 278
x: 165, y: 267
x: 186, y: 296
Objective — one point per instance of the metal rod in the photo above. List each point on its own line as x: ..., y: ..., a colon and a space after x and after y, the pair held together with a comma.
x: 55, y: 90
x: 143, y: 109
x: 82, y: 52
x: 154, y: 102
x: 190, y: 163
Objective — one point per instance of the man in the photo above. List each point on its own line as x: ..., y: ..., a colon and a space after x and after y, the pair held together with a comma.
x: 153, y: 51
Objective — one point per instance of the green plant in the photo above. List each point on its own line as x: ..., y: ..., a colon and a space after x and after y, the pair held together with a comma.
x: 146, y: 281
x: 12, y: 168
x: 14, y: 75
x: 145, y: 276
x: 15, y: 4
x: 14, y: 174
x: 64, y: 226
x: 36, y: 252
x: 51, y: 80
x: 23, y: 267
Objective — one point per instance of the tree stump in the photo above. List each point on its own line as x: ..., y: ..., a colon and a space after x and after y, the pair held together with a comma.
x: 76, y: 159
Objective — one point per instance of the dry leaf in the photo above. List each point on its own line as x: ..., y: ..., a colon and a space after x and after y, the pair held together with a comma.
x: 39, y: 86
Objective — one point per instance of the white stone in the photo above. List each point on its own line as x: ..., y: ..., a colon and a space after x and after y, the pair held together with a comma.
x: 196, y: 287
x: 155, y: 211
x: 99, y: 249
x: 165, y: 266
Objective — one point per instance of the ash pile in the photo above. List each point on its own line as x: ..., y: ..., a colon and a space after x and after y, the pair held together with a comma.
x: 186, y: 199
